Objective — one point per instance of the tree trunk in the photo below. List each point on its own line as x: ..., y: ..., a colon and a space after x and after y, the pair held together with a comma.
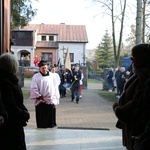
x: 113, y: 35
x: 143, y: 27
x: 139, y: 22
x: 121, y: 31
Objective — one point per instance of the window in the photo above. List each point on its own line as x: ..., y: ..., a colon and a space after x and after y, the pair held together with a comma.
x: 43, y: 38
x: 72, y: 57
x: 51, y: 38
x: 47, y: 57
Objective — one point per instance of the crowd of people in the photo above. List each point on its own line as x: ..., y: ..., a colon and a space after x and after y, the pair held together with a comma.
x: 70, y: 80
x: 132, y: 109
x: 45, y: 91
x: 116, y: 79
x: 48, y: 86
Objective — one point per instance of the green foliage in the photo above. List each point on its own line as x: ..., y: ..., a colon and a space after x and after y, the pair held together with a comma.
x: 21, y: 13
x: 110, y: 96
x: 104, y: 54
x: 89, y: 65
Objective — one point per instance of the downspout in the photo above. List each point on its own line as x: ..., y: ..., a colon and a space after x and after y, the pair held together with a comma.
x: 84, y: 54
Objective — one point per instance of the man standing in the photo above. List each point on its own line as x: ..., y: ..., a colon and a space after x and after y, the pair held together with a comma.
x: 121, y: 79
x: 45, y: 95
x: 109, y: 76
x: 76, y: 77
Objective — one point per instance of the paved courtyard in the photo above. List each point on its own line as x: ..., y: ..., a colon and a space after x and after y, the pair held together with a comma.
x: 89, y: 125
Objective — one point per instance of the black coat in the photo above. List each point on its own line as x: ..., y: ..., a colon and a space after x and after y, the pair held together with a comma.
x: 76, y: 73
x: 12, y: 133
x: 3, y: 112
x: 134, y: 109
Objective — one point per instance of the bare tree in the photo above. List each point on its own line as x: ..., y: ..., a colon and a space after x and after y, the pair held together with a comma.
x: 139, y: 22
x: 111, y: 11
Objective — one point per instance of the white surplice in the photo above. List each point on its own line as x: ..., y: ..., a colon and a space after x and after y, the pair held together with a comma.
x: 45, y: 86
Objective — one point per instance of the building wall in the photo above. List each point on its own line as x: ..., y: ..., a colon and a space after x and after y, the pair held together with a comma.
x: 77, y: 48
x: 17, y: 52
x: 47, y: 37
x: 39, y: 52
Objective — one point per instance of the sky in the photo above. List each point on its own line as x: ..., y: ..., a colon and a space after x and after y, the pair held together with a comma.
x: 75, y: 12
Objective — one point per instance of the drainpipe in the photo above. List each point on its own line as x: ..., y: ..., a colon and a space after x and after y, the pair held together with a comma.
x: 84, y: 62
x: 1, y: 26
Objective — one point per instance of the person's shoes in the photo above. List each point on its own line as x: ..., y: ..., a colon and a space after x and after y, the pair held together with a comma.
x: 72, y: 100
x: 77, y: 102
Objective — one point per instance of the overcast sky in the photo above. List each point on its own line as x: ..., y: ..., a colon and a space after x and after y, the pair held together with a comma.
x: 75, y: 12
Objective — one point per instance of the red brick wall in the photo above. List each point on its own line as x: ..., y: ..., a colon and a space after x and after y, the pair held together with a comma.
x: 39, y: 52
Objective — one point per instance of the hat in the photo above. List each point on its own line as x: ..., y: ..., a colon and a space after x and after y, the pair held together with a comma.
x: 42, y: 63
x: 77, y: 65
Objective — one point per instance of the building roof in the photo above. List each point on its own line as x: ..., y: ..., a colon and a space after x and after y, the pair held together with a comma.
x: 66, y: 33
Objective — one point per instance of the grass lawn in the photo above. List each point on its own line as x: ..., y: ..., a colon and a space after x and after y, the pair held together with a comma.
x: 93, y: 81
x: 111, y: 96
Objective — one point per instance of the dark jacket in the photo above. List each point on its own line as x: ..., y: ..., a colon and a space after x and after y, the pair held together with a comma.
x: 134, y: 108
x: 3, y: 112
x: 76, y: 73
x: 121, y: 78
x: 109, y: 76
x: 12, y: 133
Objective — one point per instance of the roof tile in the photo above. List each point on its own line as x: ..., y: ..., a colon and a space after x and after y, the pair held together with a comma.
x: 66, y: 33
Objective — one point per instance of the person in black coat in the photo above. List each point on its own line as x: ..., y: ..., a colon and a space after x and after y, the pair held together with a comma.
x: 76, y: 77
x: 109, y: 76
x: 3, y: 113
x: 12, y: 134
x: 133, y: 108
x: 121, y: 79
